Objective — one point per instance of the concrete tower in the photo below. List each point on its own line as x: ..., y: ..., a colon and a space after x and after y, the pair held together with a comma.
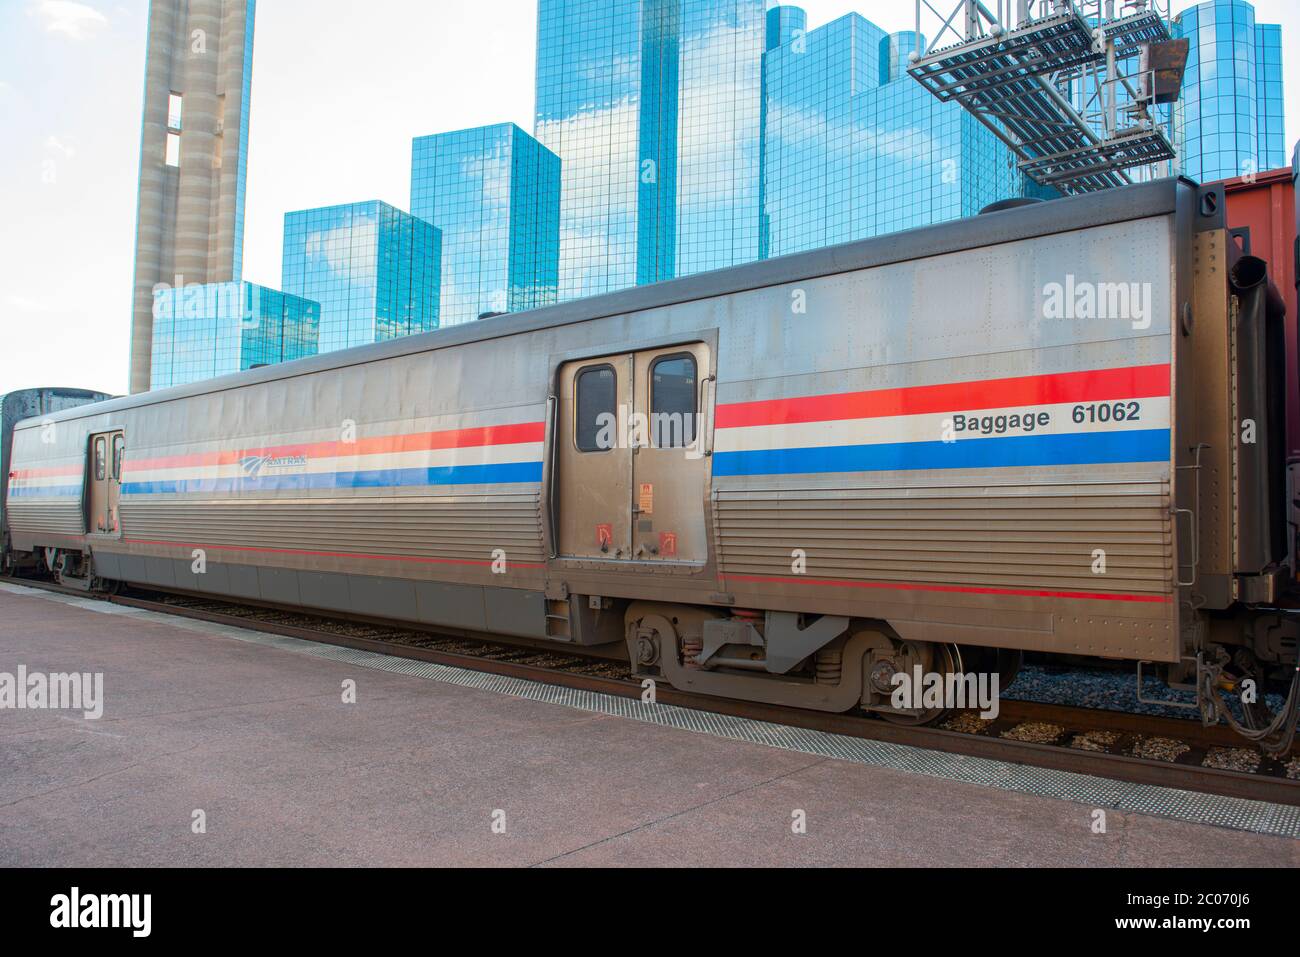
x: 193, y: 155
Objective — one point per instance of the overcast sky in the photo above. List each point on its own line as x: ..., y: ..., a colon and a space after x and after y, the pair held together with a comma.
x: 339, y: 89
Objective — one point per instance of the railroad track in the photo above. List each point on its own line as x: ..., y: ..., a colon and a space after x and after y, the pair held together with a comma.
x: 1108, y: 744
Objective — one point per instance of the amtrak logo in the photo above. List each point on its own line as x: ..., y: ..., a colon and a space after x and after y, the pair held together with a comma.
x: 253, y: 466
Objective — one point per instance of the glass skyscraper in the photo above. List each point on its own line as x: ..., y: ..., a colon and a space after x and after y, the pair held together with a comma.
x: 588, y: 114
x: 210, y: 329
x: 695, y: 135
x: 374, y: 269
x: 719, y: 147
x: 494, y: 193
x: 700, y: 134
x: 1228, y: 121
x: 1270, y: 112
x: 854, y: 147
x: 654, y: 108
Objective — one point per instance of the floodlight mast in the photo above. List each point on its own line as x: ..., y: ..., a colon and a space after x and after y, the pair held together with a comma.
x: 1074, y: 87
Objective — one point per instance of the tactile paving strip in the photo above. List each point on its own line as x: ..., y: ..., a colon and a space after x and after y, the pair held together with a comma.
x: 1193, y: 806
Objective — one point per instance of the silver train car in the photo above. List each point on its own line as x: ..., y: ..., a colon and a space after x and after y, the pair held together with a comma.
x: 15, y: 407
x: 1051, y: 429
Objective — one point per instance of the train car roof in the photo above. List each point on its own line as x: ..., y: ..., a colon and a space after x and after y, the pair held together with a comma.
x: 1159, y: 197
x: 57, y: 389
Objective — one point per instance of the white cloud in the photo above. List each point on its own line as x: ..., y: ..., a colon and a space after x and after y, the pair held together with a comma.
x: 44, y: 306
x: 335, y: 246
x: 493, y: 173
x: 75, y: 20
x: 597, y: 238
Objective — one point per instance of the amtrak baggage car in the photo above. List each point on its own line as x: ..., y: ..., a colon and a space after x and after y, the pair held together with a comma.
x: 784, y: 482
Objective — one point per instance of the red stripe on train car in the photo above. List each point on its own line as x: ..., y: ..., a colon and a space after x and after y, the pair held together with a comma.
x: 1134, y: 382
x: 49, y: 471
x: 518, y: 434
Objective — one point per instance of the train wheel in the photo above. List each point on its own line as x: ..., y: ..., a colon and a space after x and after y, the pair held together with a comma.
x: 1009, y: 663
x: 1004, y: 662
x: 934, y: 658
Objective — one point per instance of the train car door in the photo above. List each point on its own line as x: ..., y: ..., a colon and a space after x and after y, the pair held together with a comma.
x: 669, y: 470
x: 595, y: 466
x: 105, y: 483
x: 632, y: 471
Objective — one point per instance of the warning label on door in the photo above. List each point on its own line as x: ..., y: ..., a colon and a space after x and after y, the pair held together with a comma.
x: 646, y: 500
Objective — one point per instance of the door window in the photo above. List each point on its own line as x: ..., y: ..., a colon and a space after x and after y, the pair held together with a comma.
x: 100, y: 459
x: 119, y: 446
x: 672, y: 402
x: 595, y: 408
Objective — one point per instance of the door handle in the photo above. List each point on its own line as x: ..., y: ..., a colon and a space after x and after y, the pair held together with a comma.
x: 705, y: 438
x: 553, y: 419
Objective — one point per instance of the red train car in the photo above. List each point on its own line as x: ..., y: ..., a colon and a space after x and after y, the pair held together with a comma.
x: 1262, y: 214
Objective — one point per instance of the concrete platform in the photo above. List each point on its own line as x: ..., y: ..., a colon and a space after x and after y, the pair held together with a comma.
x: 286, y: 773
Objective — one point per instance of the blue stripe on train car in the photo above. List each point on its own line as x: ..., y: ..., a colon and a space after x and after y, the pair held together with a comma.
x: 45, y: 490
x: 1088, y: 448
x: 505, y: 473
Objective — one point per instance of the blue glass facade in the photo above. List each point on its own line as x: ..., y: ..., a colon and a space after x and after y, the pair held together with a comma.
x: 695, y: 135
x: 784, y: 23
x: 895, y: 51
x: 654, y: 108
x: 699, y: 134
x: 211, y: 329
x: 588, y: 114
x: 1229, y: 120
x: 494, y: 193
x: 853, y: 147
x: 1270, y: 107
x: 374, y: 269
x: 720, y: 128
x: 657, y: 134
